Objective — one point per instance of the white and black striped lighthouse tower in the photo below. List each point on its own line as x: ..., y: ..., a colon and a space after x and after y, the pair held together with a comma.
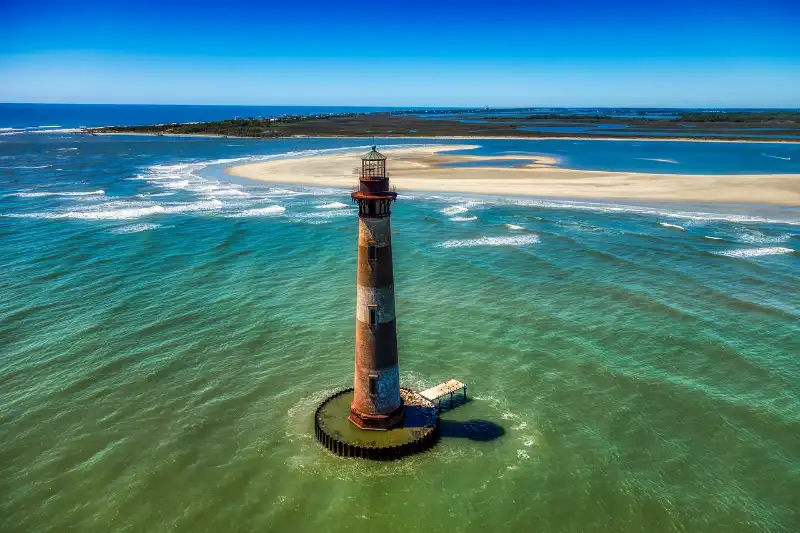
x: 376, y: 401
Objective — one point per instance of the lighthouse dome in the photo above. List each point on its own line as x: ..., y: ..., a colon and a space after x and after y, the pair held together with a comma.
x: 373, y: 155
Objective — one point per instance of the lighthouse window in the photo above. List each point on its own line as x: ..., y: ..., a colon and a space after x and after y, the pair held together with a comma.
x: 372, y: 252
x: 373, y: 315
x: 373, y: 384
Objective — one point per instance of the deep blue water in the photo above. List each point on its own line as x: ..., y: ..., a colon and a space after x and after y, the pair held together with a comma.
x: 37, y: 116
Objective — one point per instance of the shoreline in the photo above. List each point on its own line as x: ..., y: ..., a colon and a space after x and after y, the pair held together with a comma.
x: 455, y: 137
x: 420, y: 169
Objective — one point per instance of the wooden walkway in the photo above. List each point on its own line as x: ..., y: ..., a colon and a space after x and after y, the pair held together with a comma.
x: 443, y: 389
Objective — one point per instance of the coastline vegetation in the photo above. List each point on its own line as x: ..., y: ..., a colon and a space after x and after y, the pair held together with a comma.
x: 666, y: 124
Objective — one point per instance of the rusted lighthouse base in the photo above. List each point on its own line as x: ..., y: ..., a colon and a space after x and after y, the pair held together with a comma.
x: 377, y: 422
x: 416, y: 430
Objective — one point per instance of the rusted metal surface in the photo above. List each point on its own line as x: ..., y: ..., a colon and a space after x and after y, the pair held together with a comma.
x: 376, y: 346
x: 377, y: 272
x: 374, y: 196
x: 377, y: 403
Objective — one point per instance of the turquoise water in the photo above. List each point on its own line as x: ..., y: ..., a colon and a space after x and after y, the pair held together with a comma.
x: 166, y: 336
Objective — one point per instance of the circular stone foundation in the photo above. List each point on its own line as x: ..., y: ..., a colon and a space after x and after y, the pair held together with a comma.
x: 418, y: 432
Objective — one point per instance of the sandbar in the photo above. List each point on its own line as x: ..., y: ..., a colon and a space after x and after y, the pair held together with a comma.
x: 419, y: 169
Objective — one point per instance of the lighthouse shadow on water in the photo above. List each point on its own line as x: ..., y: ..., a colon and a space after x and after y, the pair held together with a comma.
x: 473, y: 429
x: 477, y: 430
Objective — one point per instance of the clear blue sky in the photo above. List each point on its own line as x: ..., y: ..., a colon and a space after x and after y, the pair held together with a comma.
x: 554, y: 53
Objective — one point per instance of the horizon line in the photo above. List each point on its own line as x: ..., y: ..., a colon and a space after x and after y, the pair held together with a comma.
x: 404, y: 106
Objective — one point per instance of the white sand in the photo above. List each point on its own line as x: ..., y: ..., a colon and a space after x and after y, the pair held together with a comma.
x: 416, y: 169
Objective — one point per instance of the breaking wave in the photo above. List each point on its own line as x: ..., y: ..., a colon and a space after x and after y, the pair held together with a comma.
x: 697, y: 216
x: 756, y: 252
x: 750, y: 236
x: 519, y: 240
x: 39, y: 194
x: 673, y: 226
x: 459, y: 208
x: 123, y: 210
x: 672, y: 161
x: 135, y: 228
x: 326, y: 214
x: 777, y: 157
x: 269, y: 211
x: 454, y: 210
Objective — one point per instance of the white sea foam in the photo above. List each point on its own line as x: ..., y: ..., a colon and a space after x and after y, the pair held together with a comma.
x: 227, y: 193
x: 285, y: 193
x: 181, y: 176
x: 135, y: 228
x: 38, y: 129
x: 203, y: 205
x: 519, y: 240
x: 154, y: 194
x: 333, y: 205
x: 658, y: 160
x: 327, y: 214
x: 38, y: 194
x: 514, y: 227
x: 95, y: 214
x: 697, y: 216
x: 454, y: 210
x: 463, y: 219
x: 213, y: 189
x: 713, y: 238
x: 269, y: 211
x: 673, y: 226
x: 459, y: 208
x: 751, y: 236
x: 176, y: 184
x: 123, y: 210
x: 756, y: 252
x: 777, y: 157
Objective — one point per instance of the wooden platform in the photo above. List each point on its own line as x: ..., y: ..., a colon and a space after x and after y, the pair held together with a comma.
x: 443, y: 389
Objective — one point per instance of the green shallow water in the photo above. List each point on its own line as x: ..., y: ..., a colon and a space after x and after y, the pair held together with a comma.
x: 162, y: 356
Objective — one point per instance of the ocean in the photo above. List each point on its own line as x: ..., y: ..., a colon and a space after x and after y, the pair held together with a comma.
x: 18, y: 118
x: 166, y: 334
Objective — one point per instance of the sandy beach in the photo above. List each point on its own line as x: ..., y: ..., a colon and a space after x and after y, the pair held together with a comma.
x: 419, y: 169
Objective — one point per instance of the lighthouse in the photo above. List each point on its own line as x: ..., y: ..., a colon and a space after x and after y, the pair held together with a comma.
x: 376, y: 418
x: 377, y: 403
